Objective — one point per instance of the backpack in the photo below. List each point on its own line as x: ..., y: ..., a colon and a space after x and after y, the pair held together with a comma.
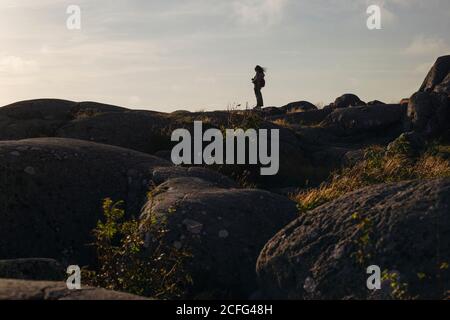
x: 263, y: 83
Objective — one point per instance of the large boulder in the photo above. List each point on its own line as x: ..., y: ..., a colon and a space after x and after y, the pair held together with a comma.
x: 350, y: 121
x: 51, y: 194
x: 438, y: 79
x: 428, y: 113
x: 404, y: 228
x: 47, y: 290
x: 224, y: 229
x: 298, y: 106
x: 348, y: 100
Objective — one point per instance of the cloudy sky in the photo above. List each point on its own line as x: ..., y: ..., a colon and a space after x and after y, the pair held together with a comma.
x: 200, y: 54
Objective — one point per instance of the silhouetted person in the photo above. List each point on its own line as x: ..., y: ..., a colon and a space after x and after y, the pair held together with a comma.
x: 259, y: 83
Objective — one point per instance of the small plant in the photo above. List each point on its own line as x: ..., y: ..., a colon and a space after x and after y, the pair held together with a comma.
x: 283, y: 123
x: 129, y: 263
x: 246, y: 119
x: 398, y: 290
x: 365, y: 227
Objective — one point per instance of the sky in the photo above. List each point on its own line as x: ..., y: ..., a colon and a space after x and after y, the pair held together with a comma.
x: 169, y: 55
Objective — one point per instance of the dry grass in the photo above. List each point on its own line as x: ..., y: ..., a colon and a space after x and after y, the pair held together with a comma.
x: 376, y: 167
x: 282, y: 123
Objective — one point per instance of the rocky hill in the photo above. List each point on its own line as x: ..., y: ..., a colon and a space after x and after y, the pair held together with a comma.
x: 359, y: 184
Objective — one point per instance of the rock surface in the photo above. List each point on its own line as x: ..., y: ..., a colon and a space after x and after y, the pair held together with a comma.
x: 32, y: 269
x: 46, y: 290
x: 51, y: 194
x: 224, y: 228
x: 402, y: 228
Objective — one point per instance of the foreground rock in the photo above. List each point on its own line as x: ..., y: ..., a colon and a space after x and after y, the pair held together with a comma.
x: 224, y: 228
x: 43, y: 290
x: 32, y: 269
x: 403, y: 228
x: 51, y: 193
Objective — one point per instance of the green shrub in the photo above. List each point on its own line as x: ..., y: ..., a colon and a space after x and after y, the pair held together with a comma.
x: 129, y: 262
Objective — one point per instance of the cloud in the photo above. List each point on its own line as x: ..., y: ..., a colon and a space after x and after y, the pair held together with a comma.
x: 259, y: 11
x: 423, y: 68
x: 428, y: 46
x: 17, y: 65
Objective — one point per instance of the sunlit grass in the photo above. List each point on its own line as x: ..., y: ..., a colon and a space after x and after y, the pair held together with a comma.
x: 376, y: 167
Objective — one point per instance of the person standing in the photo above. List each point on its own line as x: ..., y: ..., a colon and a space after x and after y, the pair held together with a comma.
x: 259, y: 83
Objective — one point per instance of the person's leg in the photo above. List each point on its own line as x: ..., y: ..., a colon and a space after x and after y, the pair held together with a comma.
x: 259, y: 98
x: 261, y: 101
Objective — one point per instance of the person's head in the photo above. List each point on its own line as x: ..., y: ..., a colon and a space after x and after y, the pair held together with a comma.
x: 260, y: 69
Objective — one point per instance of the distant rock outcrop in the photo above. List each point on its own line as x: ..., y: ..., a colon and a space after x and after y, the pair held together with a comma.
x: 350, y: 121
x: 375, y: 102
x: 429, y: 108
x: 348, y: 100
x: 403, y: 228
x: 298, y: 106
x: 438, y: 79
x: 46, y: 290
